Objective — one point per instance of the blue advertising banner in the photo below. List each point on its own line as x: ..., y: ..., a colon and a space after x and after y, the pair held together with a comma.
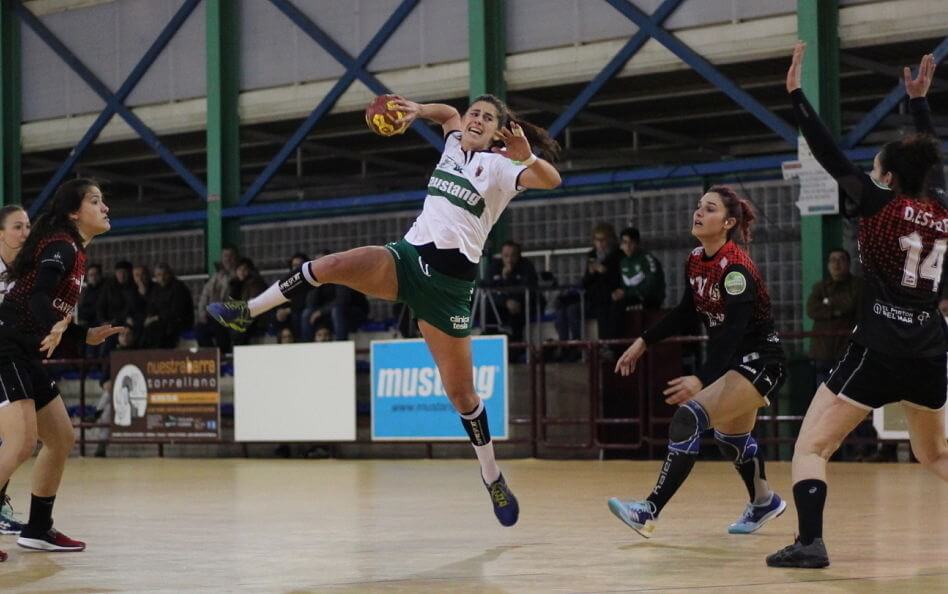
x: 408, y: 399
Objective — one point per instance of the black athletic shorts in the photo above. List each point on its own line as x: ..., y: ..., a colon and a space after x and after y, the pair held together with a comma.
x: 767, y: 374
x: 22, y: 378
x: 870, y: 379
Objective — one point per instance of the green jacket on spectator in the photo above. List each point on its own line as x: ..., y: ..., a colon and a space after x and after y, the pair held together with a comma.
x: 643, y: 280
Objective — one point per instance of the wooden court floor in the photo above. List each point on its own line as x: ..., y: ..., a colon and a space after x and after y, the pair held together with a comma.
x: 424, y: 526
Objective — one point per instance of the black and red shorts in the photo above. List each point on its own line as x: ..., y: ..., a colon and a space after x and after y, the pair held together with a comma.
x: 870, y: 379
x: 22, y: 378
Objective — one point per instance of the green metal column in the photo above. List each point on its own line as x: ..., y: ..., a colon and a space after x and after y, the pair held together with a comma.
x: 818, y: 26
x: 223, y: 125
x: 10, y: 115
x: 487, y: 58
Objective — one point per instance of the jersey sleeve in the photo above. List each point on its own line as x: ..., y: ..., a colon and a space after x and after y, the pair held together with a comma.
x: 53, y: 263
x: 862, y: 197
x: 506, y: 175
x: 58, y: 255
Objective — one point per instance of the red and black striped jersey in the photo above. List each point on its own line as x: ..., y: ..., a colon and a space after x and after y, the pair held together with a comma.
x: 729, y: 277
x: 60, y: 253
x: 728, y: 271
x: 902, y: 248
x: 727, y: 293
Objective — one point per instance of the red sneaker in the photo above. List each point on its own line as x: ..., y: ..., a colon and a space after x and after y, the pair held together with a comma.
x: 51, y: 540
x: 3, y: 556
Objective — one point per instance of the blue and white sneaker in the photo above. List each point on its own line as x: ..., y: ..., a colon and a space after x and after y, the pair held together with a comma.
x: 231, y: 314
x: 505, y: 504
x: 8, y: 524
x: 638, y: 515
x: 755, y: 516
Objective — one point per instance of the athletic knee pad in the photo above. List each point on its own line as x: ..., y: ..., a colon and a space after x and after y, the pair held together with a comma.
x: 687, y: 425
x: 737, y: 448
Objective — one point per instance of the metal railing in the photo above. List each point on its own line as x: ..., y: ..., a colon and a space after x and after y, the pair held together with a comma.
x: 646, y: 421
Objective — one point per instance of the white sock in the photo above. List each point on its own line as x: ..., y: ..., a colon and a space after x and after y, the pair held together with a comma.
x: 489, y: 469
x: 485, y: 453
x: 267, y: 300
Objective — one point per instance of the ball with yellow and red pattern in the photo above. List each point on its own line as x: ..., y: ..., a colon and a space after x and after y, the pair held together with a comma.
x: 383, y: 118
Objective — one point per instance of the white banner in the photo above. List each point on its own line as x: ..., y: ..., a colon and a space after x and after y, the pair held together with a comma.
x: 295, y: 392
x: 819, y: 192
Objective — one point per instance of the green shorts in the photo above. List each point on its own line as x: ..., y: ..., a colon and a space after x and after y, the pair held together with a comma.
x: 442, y: 301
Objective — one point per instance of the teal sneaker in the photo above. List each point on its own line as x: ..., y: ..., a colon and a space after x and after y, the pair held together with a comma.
x: 8, y: 524
x: 756, y: 516
x: 638, y: 515
x: 231, y: 314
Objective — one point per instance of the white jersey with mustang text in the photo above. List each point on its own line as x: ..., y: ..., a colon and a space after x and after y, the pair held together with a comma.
x: 467, y: 193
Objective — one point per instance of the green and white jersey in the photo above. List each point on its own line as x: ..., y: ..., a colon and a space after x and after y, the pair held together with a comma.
x: 467, y: 193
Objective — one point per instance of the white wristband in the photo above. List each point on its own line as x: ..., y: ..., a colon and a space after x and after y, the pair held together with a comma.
x: 529, y: 161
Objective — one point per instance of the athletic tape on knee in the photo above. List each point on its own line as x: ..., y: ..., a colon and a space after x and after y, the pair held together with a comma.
x: 687, y: 425
x: 739, y: 448
x: 475, y: 423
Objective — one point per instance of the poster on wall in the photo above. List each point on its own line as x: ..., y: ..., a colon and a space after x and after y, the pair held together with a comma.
x: 408, y: 398
x: 166, y: 394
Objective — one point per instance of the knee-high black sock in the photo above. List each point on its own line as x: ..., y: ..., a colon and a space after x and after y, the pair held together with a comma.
x: 749, y: 461
x: 675, y: 470
x: 755, y: 479
x: 41, y: 514
x: 810, y: 497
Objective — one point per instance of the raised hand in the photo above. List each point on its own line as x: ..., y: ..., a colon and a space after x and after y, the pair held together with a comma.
x: 516, y: 146
x: 918, y: 86
x: 795, y: 72
x: 98, y: 334
x: 410, y: 110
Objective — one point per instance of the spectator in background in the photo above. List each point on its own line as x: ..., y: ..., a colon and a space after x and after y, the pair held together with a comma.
x: 141, y: 279
x: 602, y: 278
x: 290, y: 315
x: 641, y: 275
x: 87, y: 312
x: 217, y: 288
x: 513, y: 273
x: 323, y: 333
x: 335, y: 306
x: 834, y: 306
x: 169, y: 311
x: 247, y: 284
x: 285, y: 335
x: 117, y: 303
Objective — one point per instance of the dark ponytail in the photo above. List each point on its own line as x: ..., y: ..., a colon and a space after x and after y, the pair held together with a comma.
x: 911, y: 160
x: 539, y: 139
x: 739, y: 209
x: 66, y: 200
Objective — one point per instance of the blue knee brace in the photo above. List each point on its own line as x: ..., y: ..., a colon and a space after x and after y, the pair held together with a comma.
x: 739, y: 448
x: 687, y: 425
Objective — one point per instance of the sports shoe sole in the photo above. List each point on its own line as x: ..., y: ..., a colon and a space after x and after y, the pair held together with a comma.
x: 618, y: 510
x: 37, y: 544
x: 804, y: 564
x: 9, y: 532
x: 767, y: 517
